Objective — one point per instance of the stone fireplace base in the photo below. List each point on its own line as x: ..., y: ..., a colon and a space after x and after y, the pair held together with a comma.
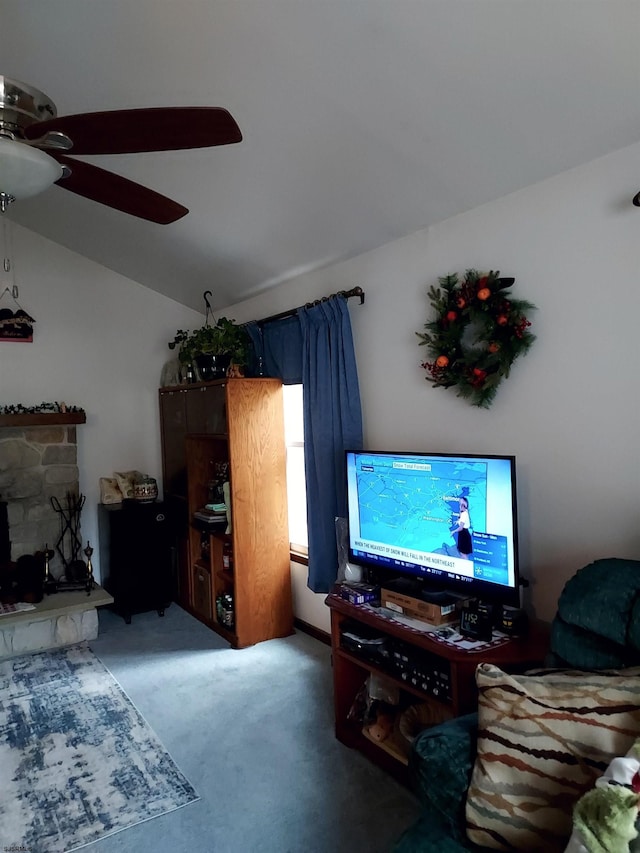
x: 58, y: 620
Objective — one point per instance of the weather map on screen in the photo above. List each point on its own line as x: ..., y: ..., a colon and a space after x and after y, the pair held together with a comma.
x: 411, y: 503
x: 441, y: 515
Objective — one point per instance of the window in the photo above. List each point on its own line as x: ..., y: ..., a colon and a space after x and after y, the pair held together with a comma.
x: 296, y: 483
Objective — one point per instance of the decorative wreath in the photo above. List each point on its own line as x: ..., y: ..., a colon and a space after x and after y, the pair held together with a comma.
x: 478, y: 333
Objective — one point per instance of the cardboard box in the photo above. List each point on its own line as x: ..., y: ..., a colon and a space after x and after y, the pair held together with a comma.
x: 426, y: 611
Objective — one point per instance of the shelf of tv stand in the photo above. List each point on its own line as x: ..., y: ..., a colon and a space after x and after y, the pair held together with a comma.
x: 379, y: 670
x: 350, y: 671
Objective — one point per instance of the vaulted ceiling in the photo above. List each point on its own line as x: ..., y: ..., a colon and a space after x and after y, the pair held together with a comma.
x: 362, y: 120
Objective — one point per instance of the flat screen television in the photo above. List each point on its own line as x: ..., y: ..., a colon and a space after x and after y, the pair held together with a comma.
x: 446, y: 520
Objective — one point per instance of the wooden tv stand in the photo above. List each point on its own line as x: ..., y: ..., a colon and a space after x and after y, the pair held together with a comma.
x: 449, y: 686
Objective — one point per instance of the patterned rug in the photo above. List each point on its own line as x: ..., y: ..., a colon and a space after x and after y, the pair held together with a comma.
x: 77, y: 760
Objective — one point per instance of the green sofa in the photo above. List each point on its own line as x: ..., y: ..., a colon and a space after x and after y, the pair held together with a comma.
x: 597, y: 626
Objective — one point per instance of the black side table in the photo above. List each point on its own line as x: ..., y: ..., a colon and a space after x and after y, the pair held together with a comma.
x: 136, y: 556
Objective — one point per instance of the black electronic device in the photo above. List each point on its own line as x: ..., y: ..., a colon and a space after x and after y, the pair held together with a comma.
x: 364, y: 641
x: 466, y: 538
x: 373, y: 648
x: 420, y: 669
x: 514, y: 621
x: 476, y: 621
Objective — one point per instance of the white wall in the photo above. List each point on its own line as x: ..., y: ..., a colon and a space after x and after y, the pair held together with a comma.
x: 100, y: 341
x: 569, y: 411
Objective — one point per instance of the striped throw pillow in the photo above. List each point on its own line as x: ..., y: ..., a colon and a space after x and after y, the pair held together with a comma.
x: 543, y: 740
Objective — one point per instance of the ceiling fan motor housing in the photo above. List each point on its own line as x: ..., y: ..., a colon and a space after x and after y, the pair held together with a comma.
x: 20, y: 106
x: 24, y: 171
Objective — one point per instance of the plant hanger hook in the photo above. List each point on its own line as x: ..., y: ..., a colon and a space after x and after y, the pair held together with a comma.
x: 208, y: 312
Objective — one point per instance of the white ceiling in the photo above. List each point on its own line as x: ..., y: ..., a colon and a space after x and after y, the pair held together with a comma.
x: 363, y: 120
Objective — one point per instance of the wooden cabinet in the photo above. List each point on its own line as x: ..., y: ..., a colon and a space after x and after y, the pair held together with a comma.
x: 173, y: 429
x: 184, y: 410
x: 424, y: 670
x: 239, y: 422
x: 206, y: 409
x: 202, y: 590
x: 198, y: 408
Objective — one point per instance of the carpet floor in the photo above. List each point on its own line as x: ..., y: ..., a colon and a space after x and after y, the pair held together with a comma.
x: 252, y: 730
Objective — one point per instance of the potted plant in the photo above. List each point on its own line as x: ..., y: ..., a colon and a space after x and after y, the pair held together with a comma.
x: 213, y: 347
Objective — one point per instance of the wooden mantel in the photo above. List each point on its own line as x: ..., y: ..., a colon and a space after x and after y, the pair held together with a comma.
x: 43, y: 419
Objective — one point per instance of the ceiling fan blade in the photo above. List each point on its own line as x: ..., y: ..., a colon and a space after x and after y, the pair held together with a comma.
x: 134, y: 131
x: 115, y: 191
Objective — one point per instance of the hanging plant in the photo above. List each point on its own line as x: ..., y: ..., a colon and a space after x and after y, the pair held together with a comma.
x: 224, y: 337
x: 478, y: 333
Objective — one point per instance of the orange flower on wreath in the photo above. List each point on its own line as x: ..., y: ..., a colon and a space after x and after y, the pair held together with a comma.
x: 483, y: 294
x: 442, y: 361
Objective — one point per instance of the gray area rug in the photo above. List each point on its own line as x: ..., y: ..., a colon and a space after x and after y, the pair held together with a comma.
x: 77, y: 760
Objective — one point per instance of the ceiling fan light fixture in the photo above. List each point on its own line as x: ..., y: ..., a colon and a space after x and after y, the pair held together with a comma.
x: 25, y: 171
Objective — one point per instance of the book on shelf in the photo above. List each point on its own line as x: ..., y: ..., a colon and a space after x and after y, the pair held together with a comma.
x: 215, y: 507
x: 210, y: 517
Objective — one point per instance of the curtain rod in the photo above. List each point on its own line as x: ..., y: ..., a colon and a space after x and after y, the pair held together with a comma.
x: 355, y: 291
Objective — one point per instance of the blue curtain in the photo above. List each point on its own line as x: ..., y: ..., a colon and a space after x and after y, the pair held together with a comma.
x: 315, y: 347
x: 279, y: 345
x: 332, y: 424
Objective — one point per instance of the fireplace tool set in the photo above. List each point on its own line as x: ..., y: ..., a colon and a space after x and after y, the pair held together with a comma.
x: 29, y: 577
x: 78, y: 574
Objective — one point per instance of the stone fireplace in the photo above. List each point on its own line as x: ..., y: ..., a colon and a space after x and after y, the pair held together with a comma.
x: 38, y: 462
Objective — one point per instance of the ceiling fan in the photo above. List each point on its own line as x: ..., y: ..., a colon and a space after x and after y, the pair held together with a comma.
x: 35, y: 145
